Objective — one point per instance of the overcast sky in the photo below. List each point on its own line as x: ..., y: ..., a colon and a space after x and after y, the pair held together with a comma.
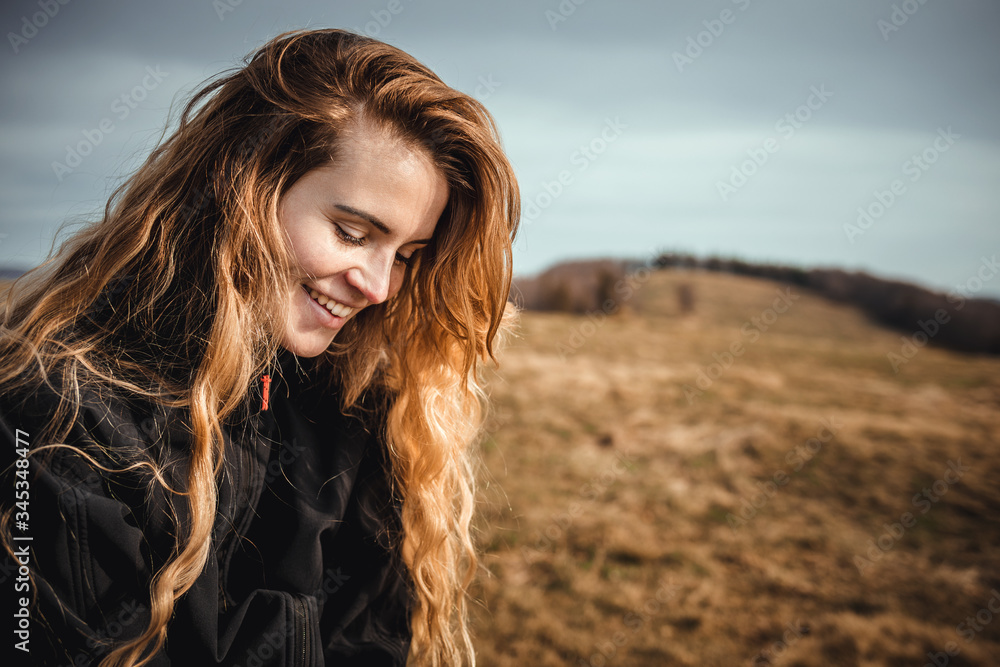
x: 736, y: 127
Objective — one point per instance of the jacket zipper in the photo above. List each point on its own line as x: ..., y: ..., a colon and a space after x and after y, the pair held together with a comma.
x: 304, y: 643
x: 301, y: 618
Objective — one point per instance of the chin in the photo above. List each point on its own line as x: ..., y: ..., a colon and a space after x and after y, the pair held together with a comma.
x: 306, y: 335
x: 307, y: 344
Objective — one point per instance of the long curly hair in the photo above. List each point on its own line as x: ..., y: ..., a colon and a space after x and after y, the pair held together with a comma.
x: 193, y: 242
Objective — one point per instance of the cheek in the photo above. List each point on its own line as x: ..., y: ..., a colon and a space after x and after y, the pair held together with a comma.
x: 296, y: 304
x: 313, y: 255
x: 396, y: 282
x: 306, y: 239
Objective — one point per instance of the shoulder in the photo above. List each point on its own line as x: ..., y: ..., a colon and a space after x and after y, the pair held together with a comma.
x: 98, y: 420
x: 92, y: 457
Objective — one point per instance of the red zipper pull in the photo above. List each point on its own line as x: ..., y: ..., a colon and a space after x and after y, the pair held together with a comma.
x: 267, y: 387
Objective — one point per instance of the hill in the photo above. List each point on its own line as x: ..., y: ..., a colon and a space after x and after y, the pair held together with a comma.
x: 959, y: 320
x: 734, y: 485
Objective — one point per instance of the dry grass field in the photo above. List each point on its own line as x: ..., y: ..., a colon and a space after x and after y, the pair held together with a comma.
x: 702, y: 489
x: 638, y: 513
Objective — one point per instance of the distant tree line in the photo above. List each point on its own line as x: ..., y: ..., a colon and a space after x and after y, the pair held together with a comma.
x: 954, y: 320
x: 966, y: 324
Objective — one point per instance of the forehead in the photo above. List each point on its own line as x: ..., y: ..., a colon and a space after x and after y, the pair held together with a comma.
x: 385, y: 177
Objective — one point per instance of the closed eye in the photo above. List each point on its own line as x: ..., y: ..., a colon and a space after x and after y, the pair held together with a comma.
x: 348, y: 238
x: 353, y: 240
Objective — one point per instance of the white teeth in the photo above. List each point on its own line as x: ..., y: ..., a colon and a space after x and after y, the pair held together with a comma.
x: 338, y: 309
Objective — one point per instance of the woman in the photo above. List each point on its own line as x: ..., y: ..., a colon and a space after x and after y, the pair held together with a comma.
x: 240, y: 406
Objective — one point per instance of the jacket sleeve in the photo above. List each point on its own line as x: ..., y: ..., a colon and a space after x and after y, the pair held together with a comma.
x: 88, y: 567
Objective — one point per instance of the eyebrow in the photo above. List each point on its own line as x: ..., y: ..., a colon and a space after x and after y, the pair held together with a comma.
x: 368, y: 217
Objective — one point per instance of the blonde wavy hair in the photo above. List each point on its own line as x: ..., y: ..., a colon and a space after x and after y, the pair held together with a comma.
x: 193, y: 242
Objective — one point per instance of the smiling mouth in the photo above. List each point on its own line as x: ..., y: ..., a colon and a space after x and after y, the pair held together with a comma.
x: 335, y: 307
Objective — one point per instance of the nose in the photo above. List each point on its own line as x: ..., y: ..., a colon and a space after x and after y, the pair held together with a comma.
x: 373, y: 278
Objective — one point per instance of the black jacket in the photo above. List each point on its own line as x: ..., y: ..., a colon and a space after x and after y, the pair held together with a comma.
x: 302, y: 569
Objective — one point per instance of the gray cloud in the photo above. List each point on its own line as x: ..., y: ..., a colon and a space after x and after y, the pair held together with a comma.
x: 554, y: 84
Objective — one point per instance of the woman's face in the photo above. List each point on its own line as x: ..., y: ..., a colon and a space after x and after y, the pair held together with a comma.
x: 353, y: 225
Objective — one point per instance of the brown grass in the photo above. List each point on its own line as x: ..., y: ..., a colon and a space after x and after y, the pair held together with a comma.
x: 611, y: 496
x: 606, y: 490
